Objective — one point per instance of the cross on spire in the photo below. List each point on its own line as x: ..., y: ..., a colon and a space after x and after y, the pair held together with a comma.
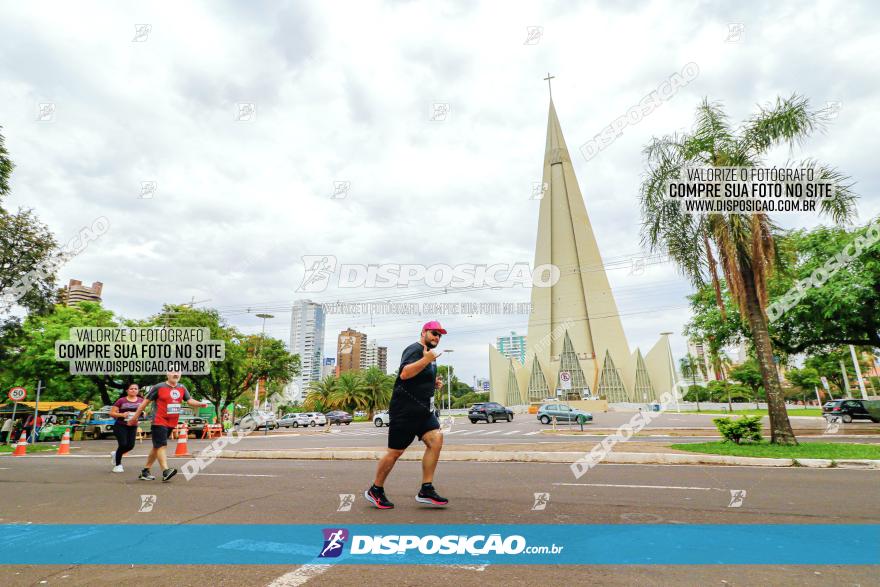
x: 547, y: 79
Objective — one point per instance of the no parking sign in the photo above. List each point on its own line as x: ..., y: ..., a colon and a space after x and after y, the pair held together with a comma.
x: 17, y: 394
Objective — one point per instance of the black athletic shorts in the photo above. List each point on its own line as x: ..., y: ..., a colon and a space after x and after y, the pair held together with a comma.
x: 159, y: 434
x: 403, y: 429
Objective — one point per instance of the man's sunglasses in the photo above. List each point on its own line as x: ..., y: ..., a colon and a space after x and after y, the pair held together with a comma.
x: 436, y: 333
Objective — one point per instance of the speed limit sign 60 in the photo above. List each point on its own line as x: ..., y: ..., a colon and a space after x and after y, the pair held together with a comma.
x: 17, y: 394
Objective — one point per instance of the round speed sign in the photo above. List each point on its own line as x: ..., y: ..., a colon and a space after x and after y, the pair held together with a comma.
x: 17, y: 394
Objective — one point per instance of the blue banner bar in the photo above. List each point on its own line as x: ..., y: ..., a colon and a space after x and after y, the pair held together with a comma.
x: 519, y: 544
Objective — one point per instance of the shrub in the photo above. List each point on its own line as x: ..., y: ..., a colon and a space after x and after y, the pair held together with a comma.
x: 744, y: 428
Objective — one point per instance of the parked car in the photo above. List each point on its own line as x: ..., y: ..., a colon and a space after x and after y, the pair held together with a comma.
x: 490, y: 412
x: 563, y: 413
x: 259, y: 420
x: 195, y: 425
x: 313, y: 419
x: 381, y: 419
x: 339, y: 417
x: 100, y: 425
x: 288, y: 421
x: 850, y: 409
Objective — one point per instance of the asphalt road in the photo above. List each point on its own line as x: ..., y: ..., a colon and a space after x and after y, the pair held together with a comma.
x: 41, y: 489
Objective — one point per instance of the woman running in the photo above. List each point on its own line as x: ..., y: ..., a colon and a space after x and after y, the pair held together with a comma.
x: 122, y: 410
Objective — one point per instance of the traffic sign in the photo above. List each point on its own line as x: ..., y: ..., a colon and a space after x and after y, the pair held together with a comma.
x: 17, y: 394
x: 565, y: 380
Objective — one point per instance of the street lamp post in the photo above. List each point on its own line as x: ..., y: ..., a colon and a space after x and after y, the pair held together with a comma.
x: 260, y: 355
x: 672, y: 366
x: 449, y: 384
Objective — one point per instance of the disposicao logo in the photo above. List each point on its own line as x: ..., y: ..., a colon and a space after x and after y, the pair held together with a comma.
x: 334, y: 540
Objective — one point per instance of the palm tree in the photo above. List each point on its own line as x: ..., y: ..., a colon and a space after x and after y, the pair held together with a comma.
x: 742, y: 244
x: 319, y: 394
x: 377, y: 387
x: 349, y: 393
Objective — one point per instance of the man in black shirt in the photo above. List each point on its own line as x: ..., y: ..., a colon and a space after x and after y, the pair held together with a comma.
x: 411, y: 415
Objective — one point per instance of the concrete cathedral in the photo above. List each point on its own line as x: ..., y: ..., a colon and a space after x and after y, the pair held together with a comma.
x: 575, y: 328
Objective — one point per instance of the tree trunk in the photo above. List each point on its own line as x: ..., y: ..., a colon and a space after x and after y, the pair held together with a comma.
x: 102, y: 389
x: 780, y: 426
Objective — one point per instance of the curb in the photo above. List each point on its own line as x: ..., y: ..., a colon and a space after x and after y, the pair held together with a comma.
x: 620, y: 458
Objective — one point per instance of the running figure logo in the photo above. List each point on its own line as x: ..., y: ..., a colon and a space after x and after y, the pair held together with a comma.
x: 541, y: 500
x: 318, y: 268
x: 346, y: 500
x: 737, y: 496
x: 334, y: 540
x: 147, y: 503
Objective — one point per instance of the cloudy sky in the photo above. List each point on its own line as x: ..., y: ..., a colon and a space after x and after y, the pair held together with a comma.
x: 96, y: 107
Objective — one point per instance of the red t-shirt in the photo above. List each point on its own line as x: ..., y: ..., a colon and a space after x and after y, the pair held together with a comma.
x: 168, y: 402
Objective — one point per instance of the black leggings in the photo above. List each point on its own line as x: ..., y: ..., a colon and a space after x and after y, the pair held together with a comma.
x: 125, y: 437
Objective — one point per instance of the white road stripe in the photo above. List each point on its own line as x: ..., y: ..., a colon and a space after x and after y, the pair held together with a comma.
x: 638, y: 486
x: 532, y: 433
x: 471, y: 432
x: 299, y: 576
x: 511, y: 432
x: 453, y: 432
x: 492, y: 432
x: 237, y: 475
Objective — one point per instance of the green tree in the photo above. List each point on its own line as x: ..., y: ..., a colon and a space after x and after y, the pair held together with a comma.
x: 27, y: 252
x: 377, y: 390
x: 749, y: 374
x: 30, y: 355
x: 247, y: 359
x: 806, y: 381
x: 743, y: 245
x: 319, y: 393
x: 844, y: 309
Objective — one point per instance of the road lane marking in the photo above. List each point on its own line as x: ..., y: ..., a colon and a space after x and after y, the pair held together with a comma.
x: 492, y: 432
x: 299, y: 576
x: 237, y: 475
x: 532, y: 433
x: 471, y: 432
x: 639, y: 486
x: 511, y: 432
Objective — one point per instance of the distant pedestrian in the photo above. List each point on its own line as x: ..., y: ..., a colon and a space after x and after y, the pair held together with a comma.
x: 6, y: 430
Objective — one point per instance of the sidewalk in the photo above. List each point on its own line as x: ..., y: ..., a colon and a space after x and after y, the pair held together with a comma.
x: 565, y: 453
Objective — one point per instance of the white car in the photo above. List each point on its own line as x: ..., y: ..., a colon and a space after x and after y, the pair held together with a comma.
x: 381, y: 419
x: 315, y: 419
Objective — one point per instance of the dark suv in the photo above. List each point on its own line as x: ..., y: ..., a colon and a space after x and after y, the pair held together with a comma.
x: 848, y: 410
x: 489, y: 411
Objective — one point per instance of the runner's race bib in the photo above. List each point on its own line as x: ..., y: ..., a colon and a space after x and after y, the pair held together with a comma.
x: 172, y: 409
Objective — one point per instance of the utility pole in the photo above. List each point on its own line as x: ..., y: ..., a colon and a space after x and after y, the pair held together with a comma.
x: 260, y: 356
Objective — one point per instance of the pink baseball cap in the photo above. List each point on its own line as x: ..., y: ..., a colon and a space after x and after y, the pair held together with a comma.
x: 433, y: 325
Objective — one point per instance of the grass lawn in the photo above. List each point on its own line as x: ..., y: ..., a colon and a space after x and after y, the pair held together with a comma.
x: 754, y: 412
x: 42, y: 447
x: 806, y: 450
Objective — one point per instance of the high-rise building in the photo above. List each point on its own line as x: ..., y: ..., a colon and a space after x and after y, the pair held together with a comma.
x: 575, y: 344
x: 351, y: 352
x: 705, y: 370
x: 329, y: 367
x: 512, y: 347
x: 376, y: 356
x: 307, y: 341
x: 76, y: 292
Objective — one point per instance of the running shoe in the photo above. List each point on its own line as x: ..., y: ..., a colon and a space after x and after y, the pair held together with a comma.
x: 428, y: 495
x: 377, y: 497
x: 118, y: 469
x: 167, y: 474
x: 113, y: 458
x: 146, y: 476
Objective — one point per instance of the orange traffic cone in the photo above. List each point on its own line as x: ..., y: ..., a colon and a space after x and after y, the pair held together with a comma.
x: 21, y: 447
x: 181, y: 450
x: 64, y: 447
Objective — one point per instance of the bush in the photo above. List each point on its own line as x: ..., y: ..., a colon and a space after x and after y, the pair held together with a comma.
x: 744, y: 428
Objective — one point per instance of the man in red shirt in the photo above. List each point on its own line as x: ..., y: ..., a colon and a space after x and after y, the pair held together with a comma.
x: 168, y: 397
